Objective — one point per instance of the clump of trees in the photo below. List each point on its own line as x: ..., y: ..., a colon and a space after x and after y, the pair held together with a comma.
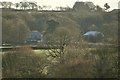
x: 76, y: 62
x: 73, y: 64
x: 14, y: 31
x: 84, y: 63
x: 106, y: 64
x: 61, y: 38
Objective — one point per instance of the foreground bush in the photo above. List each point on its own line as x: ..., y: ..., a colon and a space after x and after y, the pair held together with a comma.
x: 75, y: 63
x: 22, y: 63
x: 99, y: 62
x: 106, y: 64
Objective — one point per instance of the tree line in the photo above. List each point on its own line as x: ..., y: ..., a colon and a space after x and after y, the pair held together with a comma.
x: 16, y: 26
x: 34, y: 6
x: 29, y: 5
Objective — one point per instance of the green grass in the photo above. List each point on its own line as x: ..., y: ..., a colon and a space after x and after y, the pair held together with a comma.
x: 40, y: 51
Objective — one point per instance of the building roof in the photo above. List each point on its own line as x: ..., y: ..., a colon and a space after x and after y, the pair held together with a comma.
x: 93, y: 33
x: 35, y: 35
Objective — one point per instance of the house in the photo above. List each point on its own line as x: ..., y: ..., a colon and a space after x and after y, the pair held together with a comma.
x: 35, y: 37
x: 93, y: 36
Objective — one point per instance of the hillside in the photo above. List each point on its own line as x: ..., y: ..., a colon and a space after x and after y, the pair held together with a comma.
x: 17, y: 24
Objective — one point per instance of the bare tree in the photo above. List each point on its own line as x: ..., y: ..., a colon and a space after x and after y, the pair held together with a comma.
x: 9, y: 4
x: 33, y: 5
x: 16, y: 5
x: 59, y: 39
x: 40, y: 8
x: 24, y: 5
x: 4, y: 4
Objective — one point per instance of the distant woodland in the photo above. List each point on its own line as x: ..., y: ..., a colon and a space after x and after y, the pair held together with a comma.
x: 17, y: 24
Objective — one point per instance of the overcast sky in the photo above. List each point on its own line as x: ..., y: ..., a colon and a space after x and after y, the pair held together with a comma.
x: 53, y: 3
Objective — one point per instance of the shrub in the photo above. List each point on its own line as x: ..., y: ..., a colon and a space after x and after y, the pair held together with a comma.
x: 73, y: 64
x: 22, y: 63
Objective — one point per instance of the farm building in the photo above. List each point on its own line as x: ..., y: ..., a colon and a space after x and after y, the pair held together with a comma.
x: 93, y: 36
x: 35, y: 37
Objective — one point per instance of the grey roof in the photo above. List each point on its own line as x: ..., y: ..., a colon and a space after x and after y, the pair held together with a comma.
x: 93, y: 33
x: 35, y: 35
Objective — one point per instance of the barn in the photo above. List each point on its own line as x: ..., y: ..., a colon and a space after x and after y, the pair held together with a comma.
x: 93, y: 36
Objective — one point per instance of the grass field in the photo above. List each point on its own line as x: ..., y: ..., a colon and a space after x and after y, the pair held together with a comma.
x: 40, y: 51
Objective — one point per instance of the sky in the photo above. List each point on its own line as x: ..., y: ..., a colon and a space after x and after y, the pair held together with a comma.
x: 113, y: 3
